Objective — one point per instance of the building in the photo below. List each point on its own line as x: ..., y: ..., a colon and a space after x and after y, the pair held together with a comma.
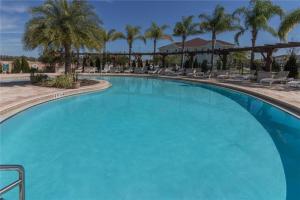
x: 7, y: 65
x: 282, y: 59
x: 196, y: 44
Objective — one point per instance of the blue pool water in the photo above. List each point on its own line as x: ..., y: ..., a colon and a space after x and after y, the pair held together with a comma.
x: 146, y: 139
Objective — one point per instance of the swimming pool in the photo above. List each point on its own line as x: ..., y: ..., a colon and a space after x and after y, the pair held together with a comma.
x: 155, y: 139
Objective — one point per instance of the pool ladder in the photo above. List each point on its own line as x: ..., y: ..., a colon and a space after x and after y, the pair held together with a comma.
x: 20, y: 182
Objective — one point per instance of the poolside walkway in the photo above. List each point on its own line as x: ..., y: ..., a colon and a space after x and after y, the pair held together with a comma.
x: 16, y: 97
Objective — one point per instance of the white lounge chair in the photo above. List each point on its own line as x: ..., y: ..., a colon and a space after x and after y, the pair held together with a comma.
x: 106, y: 69
x: 129, y: 70
x: 189, y: 72
x: 223, y: 74
x: 294, y: 83
x: 278, y: 78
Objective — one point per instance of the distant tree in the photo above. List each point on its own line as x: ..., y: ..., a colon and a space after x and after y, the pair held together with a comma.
x: 24, y: 65
x: 17, y: 67
x: 217, y: 23
x: 155, y: 33
x: 256, y: 19
x: 288, y: 23
x: 183, y: 29
x: 132, y: 33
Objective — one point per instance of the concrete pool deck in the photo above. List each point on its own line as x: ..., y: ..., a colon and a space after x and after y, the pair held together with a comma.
x: 16, y: 97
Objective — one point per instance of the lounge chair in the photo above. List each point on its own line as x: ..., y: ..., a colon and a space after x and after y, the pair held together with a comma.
x: 161, y: 71
x: 278, y: 78
x: 155, y: 71
x: 169, y: 72
x: 129, y: 70
x: 294, y: 83
x: 180, y: 72
x: 106, y: 69
x: 262, y: 74
x: 223, y: 74
x: 189, y: 72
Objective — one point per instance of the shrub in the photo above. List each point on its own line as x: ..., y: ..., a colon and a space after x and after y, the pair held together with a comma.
x: 16, y: 66
x: 204, y: 66
x: 64, y: 81
x: 291, y: 66
x: 38, y: 78
x: 24, y: 65
x: 275, y: 66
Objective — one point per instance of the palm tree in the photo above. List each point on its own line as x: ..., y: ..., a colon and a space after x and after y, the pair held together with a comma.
x: 215, y: 24
x: 256, y: 18
x: 132, y: 34
x: 183, y: 29
x: 62, y: 24
x: 108, y: 36
x: 288, y: 23
x: 156, y: 33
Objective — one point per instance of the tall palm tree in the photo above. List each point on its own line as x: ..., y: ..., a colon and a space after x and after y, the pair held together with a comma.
x: 108, y: 36
x: 183, y: 29
x: 64, y: 25
x: 215, y: 24
x: 288, y: 23
x: 156, y: 32
x: 132, y: 34
x: 256, y: 18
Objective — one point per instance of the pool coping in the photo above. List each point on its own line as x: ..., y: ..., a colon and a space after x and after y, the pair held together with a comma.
x: 15, y: 108
x: 287, y: 107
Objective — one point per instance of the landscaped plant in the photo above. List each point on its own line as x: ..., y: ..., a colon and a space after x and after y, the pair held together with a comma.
x: 38, y: 78
x: 204, y: 66
x: 64, y: 81
x: 291, y: 66
x: 63, y: 25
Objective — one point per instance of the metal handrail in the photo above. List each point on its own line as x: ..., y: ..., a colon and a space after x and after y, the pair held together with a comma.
x: 20, y: 182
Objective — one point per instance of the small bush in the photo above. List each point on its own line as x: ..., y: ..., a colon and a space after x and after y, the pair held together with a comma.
x: 292, y: 66
x: 38, y: 78
x: 64, y: 81
x: 204, y: 66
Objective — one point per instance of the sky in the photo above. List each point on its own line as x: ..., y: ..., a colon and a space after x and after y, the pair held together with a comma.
x: 117, y: 13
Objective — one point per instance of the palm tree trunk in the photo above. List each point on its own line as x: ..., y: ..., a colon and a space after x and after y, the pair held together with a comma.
x: 77, y: 58
x: 154, y: 50
x: 254, y: 34
x: 104, y: 56
x: 213, y: 44
x: 67, y: 48
x: 182, y: 51
x: 129, y: 52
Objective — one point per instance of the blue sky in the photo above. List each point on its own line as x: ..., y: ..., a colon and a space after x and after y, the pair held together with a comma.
x: 116, y: 14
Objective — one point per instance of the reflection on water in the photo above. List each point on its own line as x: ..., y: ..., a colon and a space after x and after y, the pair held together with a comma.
x: 282, y: 127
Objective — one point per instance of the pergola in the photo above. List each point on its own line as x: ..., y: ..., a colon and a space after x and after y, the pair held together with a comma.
x: 266, y: 51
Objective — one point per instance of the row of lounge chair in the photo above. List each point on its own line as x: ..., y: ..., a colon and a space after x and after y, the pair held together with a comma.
x: 262, y: 77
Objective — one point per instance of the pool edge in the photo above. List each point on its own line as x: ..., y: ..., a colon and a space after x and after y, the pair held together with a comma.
x: 18, y: 107
x: 286, y: 107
